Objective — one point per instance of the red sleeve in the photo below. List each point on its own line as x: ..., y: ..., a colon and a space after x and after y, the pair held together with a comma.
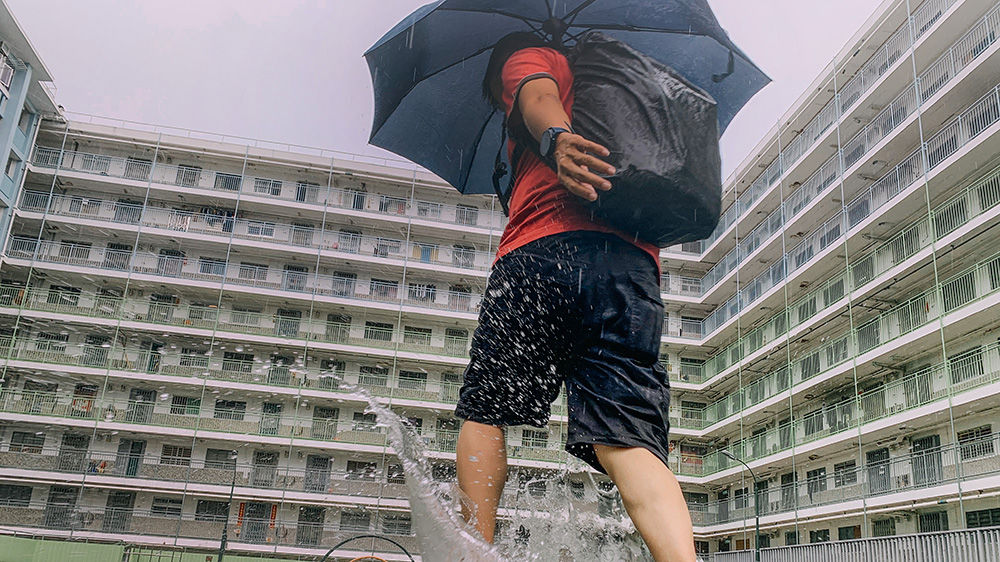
x: 529, y: 64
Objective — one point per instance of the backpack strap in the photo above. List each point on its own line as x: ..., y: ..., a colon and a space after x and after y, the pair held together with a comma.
x: 500, y: 170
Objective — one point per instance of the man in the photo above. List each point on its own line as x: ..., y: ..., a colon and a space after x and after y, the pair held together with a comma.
x: 570, y: 300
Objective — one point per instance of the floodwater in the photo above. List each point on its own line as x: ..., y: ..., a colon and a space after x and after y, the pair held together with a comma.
x: 561, y: 525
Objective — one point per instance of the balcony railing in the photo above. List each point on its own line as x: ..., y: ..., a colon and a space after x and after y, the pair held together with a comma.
x: 953, y: 136
x: 248, y: 528
x: 331, y: 242
x: 963, y: 373
x: 233, y: 182
x: 951, y: 546
x: 946, y: 464
x: 238, y: 274
x: 94, y: 305
x: 865, y: 78
x: 918, y: 311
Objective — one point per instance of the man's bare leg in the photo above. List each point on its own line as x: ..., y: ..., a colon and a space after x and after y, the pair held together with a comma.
x: 482, y: 472
x: 653, y: 500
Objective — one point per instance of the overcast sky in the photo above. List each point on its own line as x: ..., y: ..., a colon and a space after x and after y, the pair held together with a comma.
x: 292, y: 70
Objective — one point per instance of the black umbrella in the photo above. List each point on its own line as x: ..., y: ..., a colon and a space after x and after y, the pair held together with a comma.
x: 427, y: 71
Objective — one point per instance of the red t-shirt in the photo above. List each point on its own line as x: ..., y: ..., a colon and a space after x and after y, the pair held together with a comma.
x: 540, y: 205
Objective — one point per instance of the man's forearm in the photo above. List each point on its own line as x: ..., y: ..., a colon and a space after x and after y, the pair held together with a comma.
x: 542, y: 111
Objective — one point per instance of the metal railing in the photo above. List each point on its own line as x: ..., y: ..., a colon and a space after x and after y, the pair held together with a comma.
x: 330, y: 241
x: 965, y: 288
x: 972, y: 545
x: 966, y: 461
x: 956, y: 134
x: 975, y: 199
x: 234, y: 273
x: 150, y: 415
x: 271, y: 188
x: 864, y: 79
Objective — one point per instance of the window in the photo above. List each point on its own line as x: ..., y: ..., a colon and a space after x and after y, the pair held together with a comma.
x: 373, y: 376
x: 467, y: 215
x: 267, y: 187
x: 845, y: 474
x: 820, y: 535
x: 212, y: 266
x: 209, y: 510
x: 422, y: 292
x: 426, y: 209
x: 137, y: 168
x: 364, y: 422
x: 188, y: 176
x: 396, y: 524
x: 417, y: 336
x: 228, y: 182
x: 464, y: 255
x: 245, y: 316
x: 52, y: 342
x: 358, y: 521
x: 378, y: 331
x: 359, y: 470
x: 933, y: 522
x: 237, y: 362
x: 220, y: 458
x: 23, y: 442
x: 230, y: 410
x: 15, y: 496
x: 395, y: 474
x: 413, y: 380
x: 791, y: 538
x: 884, y: 528
x: 252, y: 271
x: 849, y: 533
x: 393, y: 205
x: 384, y: 290
x: 185, y: 406
x: 260, y: 228
x: 13, y: 162
x: 95, y: 163
x: 72, y: 250
x: 178, y: 456
x: 191, y: 357
x: 983, y: 518
x: 166, y: 507
x: 535, y: 438
x: 344, y: 284
x: 25, y: 121
x: 975, y: 443
x: 816, y: 481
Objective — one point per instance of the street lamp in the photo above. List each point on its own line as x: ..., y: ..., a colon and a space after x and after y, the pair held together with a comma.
x: 233, y: 455
x: 756, y: 503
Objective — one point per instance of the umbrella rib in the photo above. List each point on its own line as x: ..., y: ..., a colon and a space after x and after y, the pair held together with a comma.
x: 576, y: 11
x: 525, y: 19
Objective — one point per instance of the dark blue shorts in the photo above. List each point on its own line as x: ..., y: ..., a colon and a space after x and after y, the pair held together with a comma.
x: 580, y: 308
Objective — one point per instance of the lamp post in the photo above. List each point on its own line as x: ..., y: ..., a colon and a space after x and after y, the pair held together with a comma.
x: 233, y: 455
x: 756, y: 504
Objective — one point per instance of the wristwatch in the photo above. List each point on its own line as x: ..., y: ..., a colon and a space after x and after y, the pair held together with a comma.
x: 547, y: 144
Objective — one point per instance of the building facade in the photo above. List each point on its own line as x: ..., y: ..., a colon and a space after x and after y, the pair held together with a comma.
x: 179, y: 312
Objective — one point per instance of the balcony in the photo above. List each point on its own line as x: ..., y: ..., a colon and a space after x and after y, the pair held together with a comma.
x: 173, y: 267
x: 879, y: 479
x: 331, y: 242
x: 977, y: 199
x: 254, y: 528
x: 964, y: 289
x: 960, y: 55
x: 149, y: 416
x: 962, y: 374
x: 235, y: 184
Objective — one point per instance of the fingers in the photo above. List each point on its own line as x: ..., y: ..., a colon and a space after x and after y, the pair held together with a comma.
x: 578, y: 188
x: 575, y: 159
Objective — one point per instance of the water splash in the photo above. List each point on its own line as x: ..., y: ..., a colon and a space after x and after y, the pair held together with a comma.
x: 549, y: 518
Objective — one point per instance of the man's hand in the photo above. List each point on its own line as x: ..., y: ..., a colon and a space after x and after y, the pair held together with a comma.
x: 574, y: 158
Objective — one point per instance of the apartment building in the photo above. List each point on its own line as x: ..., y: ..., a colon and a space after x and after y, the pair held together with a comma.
x: 180, y: 312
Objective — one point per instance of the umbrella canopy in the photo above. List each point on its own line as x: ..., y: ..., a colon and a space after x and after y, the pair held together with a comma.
x: 428, y: 70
